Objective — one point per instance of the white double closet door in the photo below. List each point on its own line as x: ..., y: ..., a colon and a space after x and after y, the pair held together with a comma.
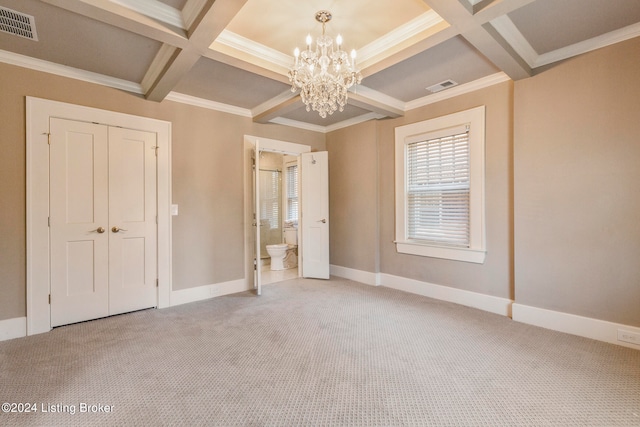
x: 103, y: 220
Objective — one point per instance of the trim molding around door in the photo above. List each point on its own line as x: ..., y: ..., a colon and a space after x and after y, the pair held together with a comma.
x: 37, y: 155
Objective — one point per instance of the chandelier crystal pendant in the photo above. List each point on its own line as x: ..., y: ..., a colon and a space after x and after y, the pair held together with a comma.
x: 324, y: 74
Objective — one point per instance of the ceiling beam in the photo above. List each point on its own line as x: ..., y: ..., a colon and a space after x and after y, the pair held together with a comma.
x: 167, y: 70
x: 482, y: 36
x: 246, y: 66
x: 376, y: 102
x: 496, y: 8
x: 276, y: 107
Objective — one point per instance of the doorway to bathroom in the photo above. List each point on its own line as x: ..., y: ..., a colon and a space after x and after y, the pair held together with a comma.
x: 278, y: 215
x: 286, y: 212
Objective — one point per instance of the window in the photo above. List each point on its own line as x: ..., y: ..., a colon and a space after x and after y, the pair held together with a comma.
x: 440, y: 187
x: 292, y: 192
x: 270, y: 197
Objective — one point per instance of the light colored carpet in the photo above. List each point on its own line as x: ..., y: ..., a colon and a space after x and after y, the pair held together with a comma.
x: 320, y: 353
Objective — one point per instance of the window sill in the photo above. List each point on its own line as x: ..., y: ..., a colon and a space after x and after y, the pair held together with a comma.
x: 457, y: 254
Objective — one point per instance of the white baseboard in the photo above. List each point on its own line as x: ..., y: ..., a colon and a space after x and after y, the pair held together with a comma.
x: 365, y: 277
x: 587, y: 327
x: 13, y: 328
x: 200, y: 293
x: 484, y: 302
x: 497, y: 305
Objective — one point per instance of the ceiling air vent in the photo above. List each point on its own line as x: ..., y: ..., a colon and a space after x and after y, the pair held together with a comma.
x: 442, y: 86
x: 17, y: 23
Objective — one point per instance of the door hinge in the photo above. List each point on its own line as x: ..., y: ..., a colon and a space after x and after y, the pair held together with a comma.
x: 49, y: 299
x: 157, y: 283
x: 48, y: 221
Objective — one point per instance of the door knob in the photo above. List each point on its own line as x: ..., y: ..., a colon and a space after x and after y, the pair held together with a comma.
x: 100, y: 230
x: 324, y: 221
x: 115, y: 229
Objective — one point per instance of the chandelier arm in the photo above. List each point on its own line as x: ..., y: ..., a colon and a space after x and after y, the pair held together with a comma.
x: 324, y: 75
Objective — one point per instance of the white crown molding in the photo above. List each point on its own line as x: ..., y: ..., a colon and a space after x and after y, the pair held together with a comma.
x: 205, y: 103
x: 399, y: 35
x: 508, y: 30
x: 70, y: 72
x: 155, y: 10
x: 478, y: 84
x: 250, y: 47
x: 594, y: 43
x: 299, y: 125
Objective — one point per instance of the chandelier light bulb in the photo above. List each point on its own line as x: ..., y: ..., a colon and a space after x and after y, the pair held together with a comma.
x: 323, y: 73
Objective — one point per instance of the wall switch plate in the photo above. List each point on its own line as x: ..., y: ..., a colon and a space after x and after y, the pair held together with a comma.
x: 628, y: 336
x: 174, y: 210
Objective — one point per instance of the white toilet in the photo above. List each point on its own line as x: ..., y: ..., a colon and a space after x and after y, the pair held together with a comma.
x: 283, y: 255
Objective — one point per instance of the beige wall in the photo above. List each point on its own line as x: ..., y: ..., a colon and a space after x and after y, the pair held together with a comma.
x: 207, y: 174
x: 353, y: 199
x: 495, y: 276
x: 363, y: 195
x: 577, y: 186
x: 562, y: 193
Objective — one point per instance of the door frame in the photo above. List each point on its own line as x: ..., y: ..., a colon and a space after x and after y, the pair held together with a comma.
x: 265, y: 144
x: 38, y: 113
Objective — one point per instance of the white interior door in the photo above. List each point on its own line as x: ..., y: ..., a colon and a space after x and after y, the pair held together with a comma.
x: 79, y: 221
x: 102, y: 221
x: 314, y: 195
x: 257, y: 278
x: 132, y: 220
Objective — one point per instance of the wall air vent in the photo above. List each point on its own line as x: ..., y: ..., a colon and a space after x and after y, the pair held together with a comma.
x: 17, y: 23
x: 442, y: 86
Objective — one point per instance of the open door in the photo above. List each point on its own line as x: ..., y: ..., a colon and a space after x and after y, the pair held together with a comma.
x: 257, y: 276
x: 314, y: 218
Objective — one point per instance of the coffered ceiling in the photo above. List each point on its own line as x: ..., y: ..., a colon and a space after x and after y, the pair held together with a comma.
x: 234, y: 55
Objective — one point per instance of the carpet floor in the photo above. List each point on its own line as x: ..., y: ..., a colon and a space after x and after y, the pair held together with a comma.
x: 317, y: 353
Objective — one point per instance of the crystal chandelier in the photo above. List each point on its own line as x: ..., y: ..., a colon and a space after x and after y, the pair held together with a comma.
x: 324, y: 74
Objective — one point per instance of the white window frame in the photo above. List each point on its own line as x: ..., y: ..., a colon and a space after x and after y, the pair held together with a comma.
x: 475, y: 120
x: 289, y: 161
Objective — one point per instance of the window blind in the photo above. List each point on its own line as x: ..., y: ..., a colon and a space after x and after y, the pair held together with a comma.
x: 292, y: 192
x: 270, y: 197
x: 438, y: 178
